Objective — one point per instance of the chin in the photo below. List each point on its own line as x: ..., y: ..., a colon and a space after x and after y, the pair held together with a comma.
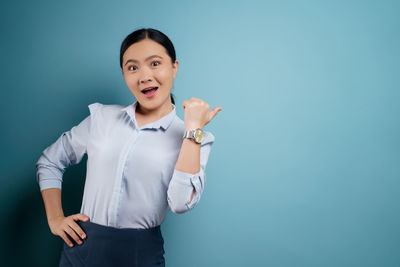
x: 150, y: 103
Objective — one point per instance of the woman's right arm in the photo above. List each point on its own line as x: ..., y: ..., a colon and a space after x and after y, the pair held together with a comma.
x: 68, y: 149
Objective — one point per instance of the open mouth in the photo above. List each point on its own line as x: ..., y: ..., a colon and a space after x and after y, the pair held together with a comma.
x: 150, y: 91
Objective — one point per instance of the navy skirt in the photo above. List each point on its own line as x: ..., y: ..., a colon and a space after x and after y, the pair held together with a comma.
x: 110, y: 246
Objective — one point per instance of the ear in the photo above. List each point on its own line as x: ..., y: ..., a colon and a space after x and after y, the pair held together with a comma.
x: 175, y: 66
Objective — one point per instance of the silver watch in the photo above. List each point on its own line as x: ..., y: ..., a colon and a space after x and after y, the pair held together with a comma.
x: 196, y: 135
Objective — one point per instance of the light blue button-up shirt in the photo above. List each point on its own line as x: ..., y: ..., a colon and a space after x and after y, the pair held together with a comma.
x: 131, y: 180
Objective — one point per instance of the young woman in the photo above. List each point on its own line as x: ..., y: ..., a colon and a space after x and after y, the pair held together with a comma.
x: 142, y: 161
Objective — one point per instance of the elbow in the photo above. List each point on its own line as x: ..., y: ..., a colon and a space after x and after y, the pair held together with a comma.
x: 177, y: 207
x: 177, y: 202
x: 178, y: 210
x: 179, y: 193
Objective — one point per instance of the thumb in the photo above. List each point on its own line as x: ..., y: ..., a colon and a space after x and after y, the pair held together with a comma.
x: 214, y: 112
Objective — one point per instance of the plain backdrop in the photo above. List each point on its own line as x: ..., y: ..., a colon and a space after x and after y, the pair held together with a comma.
x: 305, y: 167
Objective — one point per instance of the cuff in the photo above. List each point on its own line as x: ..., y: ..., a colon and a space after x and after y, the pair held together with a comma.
x: 49, y: 183
x: 195, y: 181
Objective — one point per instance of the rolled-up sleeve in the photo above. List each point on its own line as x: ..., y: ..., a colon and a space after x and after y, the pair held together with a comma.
x: 182, y: 183
x: 67, y: 150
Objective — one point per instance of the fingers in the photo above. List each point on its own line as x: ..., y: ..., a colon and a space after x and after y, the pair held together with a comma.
x: 64, y: 236
x: 76, y: 227
x: 71, y: 232
x: 78, y: 230
x: 184, y: 104
x: 81, y: 217
x: 192, y: 100
x: 197, y: 112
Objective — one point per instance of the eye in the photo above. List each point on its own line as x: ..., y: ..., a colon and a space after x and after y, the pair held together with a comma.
x: 132, y: 68
x: 155, y: 63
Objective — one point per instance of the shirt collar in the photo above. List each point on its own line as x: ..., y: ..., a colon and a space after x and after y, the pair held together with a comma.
x: 164, y: 122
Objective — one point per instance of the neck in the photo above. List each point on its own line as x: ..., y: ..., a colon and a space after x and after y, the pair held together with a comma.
x: 155, y: 113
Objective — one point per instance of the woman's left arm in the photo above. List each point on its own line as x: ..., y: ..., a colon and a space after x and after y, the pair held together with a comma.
x: 193, y: 157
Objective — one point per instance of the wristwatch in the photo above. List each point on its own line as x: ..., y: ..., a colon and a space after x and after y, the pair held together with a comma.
x: 196, y: 135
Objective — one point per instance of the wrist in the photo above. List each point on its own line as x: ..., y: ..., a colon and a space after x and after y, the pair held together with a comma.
x: 55, y: 218
x: 190, y: 127
x: 194, y: 134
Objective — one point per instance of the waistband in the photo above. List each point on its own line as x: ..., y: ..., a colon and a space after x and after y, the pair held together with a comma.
x: 93, y: 229
x: 115, y: 229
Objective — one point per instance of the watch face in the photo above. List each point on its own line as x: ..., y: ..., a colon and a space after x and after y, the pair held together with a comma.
x: 198, y: 136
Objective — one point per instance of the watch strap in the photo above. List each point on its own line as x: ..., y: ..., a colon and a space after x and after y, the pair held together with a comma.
x: 191, y: 134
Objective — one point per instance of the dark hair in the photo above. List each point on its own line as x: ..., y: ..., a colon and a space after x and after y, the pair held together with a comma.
x: 148, y: 33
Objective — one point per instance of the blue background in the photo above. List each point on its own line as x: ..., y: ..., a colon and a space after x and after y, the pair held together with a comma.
x: 305, y: 167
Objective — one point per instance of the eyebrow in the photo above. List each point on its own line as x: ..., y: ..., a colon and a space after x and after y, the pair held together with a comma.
x: 135, y: 61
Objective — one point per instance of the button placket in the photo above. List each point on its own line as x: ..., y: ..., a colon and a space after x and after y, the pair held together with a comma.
x: 118, y: 183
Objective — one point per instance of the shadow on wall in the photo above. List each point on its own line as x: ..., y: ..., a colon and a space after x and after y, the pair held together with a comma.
x: 27, y: 239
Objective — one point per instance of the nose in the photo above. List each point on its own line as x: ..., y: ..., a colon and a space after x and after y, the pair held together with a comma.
x: 145, y: 77
x: 144, y: 80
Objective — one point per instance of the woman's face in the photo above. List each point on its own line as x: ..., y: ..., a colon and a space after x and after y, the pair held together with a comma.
x: 146, y: 64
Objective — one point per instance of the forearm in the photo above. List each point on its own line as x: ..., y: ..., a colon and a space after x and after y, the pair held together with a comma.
x: 189, y: 159
x: 52, y: 203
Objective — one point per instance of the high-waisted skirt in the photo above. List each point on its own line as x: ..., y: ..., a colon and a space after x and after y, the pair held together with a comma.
x: 110, y: 246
